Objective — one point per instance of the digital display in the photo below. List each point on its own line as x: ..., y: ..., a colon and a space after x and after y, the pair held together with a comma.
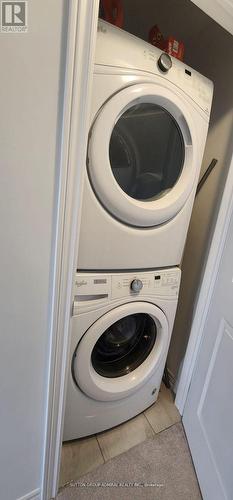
x: 158, y: 277
x: 188, y: 72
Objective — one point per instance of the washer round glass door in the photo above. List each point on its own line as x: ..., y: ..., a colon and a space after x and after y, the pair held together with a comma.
x: 124, y: 345
x: 141, y: 157
x: 120, y: 351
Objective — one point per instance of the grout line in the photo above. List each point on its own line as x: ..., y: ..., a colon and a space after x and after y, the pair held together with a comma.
x: 167, y: 427
x: 96, y: 436
x: 149, y: 424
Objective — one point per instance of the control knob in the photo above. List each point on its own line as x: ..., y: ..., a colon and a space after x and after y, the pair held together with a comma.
x: 164, y: 62
x: 136, y: 285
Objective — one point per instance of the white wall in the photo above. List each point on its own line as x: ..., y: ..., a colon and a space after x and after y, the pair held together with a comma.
x: 207, y: 49
x: 30, y: 91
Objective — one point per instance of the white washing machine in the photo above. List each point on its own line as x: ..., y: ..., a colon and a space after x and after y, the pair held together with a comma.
x: 122, y: 324
x: 149, y: 122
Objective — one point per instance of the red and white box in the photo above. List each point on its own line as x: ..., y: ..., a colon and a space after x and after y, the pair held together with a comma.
x: 174, y: 48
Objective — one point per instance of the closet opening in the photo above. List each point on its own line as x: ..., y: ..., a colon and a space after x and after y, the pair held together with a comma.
x: 203, y: 45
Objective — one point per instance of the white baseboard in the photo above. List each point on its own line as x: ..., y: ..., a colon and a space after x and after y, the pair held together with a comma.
x: 33, y: 495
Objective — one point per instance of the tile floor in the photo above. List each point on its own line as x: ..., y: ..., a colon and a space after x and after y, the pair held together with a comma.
x: 84, y: 455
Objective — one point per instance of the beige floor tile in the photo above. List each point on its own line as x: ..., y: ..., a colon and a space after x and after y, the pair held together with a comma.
x: 163, y: 413
x: 124, y: 437
x: 78, y: 458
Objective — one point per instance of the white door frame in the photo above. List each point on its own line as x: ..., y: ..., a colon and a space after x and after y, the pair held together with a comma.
x: 83, y: 15
x: 81, y: 36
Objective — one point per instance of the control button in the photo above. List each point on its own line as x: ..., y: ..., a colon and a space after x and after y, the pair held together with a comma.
x: 164, y: 62
x: 136, y: 285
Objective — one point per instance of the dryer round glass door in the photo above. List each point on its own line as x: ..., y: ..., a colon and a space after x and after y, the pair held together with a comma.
x: 141, y: 159
x: 146, y: 151
x: 120, y: 351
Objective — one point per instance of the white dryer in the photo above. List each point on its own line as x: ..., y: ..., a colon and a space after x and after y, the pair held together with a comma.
x: 122, y: 325
x: 149, y: 122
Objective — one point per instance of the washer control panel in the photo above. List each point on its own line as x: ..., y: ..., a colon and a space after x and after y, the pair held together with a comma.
x: 95, y: 289
x: 163, y: 282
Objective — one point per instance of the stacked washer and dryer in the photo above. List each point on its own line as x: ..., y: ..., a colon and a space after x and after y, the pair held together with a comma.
x: 149, y: 123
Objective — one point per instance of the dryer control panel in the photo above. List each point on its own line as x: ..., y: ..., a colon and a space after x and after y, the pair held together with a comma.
x: 119, y: 49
